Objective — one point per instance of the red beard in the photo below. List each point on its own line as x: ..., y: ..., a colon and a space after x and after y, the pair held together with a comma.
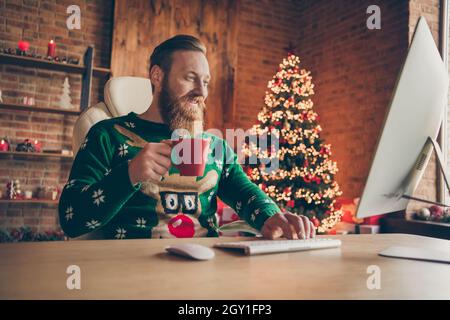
x: 178, y: 113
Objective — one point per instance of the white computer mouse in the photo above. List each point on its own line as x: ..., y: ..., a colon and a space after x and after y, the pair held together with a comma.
x: 191, y: 250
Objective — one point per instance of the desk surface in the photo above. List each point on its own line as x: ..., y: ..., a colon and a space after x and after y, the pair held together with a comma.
x: 139, y: 269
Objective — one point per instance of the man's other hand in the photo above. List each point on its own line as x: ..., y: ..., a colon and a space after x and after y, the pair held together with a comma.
x: 288, y: 225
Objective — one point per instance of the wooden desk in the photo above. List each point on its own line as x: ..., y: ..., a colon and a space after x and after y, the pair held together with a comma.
x: 139, y: 269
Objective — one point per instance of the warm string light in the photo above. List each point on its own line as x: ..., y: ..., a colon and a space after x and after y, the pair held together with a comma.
x: 329, y: 222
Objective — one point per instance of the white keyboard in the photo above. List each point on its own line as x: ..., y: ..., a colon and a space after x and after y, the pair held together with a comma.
x: 253, y: 247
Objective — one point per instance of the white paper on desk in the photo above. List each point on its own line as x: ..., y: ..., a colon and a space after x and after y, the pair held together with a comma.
x: 416, y: 254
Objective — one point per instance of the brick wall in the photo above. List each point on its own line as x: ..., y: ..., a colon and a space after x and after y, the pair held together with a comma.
x: 39, y: 21
x: 354, y: 70
x: 265, y: 30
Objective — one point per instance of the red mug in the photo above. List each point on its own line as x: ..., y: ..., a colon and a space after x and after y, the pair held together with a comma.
x: 193, y: 153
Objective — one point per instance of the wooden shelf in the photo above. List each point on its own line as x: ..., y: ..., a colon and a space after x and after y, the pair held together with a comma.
x: 21, y: 107
x: 40, y: 63
x: 35, y: 155
x: 49, y: 65
x: 99, y: 71
x: 87, y: 71
x: 391, y: 224
x: 32, y: 201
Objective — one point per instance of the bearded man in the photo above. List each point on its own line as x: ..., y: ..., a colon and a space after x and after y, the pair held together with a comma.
x: 123, y: 184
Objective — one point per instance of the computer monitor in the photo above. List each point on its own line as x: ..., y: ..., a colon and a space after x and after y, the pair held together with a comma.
x: 410, y: 129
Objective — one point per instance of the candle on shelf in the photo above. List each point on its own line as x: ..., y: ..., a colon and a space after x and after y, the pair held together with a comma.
x: 4, y: 146
x: 37, y: 146
x: 54, y: 194
x: 51, y: 49
x: 28, y: 195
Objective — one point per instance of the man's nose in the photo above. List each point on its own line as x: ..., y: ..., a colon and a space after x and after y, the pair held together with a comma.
x: 201, y: 90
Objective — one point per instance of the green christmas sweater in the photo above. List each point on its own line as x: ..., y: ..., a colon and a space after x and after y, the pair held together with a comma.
x: 99, y: 195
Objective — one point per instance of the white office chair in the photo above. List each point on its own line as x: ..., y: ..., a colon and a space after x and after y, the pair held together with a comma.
x: 122, y: 95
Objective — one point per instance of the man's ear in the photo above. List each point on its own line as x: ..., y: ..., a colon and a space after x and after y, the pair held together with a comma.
x: 156, y: 77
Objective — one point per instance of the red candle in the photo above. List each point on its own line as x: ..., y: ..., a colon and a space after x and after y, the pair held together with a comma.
x: 3, y: 145
x: 23, y: 45
x: 51, y: 49
x: 37, y: 146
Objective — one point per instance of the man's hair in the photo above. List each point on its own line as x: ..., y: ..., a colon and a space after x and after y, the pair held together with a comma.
x: 162, y: 55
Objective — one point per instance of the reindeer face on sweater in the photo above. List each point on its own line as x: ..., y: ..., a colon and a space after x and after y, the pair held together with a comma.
x: 178, y: 204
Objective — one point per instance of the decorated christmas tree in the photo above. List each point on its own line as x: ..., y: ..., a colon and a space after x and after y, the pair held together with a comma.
x: 303, y: 181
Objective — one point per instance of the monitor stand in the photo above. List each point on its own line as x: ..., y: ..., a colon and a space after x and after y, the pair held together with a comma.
x: 406, y: 192
x: 411, y: 182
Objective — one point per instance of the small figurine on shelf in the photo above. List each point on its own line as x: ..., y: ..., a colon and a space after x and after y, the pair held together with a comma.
x: 65, y: 101
x: 13, y: 190
x: 4, y: 144
x: 25, y: 146
x: 8, y: 50
x: 28, y: 101
x: 1, y: 100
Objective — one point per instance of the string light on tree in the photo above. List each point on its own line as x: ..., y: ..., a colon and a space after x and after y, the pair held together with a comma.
x: 304, y: 181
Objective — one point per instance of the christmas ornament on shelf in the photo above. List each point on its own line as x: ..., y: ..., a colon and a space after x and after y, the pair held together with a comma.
x: 26, y: 146
x: 23, y: 50
x: 434, y: 213
x: 22, y: 47
x: 424, y: 214
x: 65, y: 101
x: 25, y: 234
x: 304, y: 181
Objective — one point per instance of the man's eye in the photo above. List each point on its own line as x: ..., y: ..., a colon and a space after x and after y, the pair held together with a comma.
x: 190, y: 78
